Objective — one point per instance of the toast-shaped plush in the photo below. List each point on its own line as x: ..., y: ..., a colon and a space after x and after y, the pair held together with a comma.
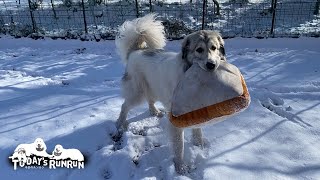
x: 208, y: 96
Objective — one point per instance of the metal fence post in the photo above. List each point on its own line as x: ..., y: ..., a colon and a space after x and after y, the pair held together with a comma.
x: 32, y: 18
x: 203, y: 13
x: 84, y: 18
x: 54, y: 11
x: 150, y: 4
x: 316, y: 8
x: 273, y: 17
x: 137, y: 8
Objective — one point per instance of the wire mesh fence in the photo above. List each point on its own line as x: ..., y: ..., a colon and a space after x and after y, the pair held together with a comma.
x: 99, y: 19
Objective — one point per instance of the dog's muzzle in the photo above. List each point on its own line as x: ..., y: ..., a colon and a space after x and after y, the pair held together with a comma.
x: 39, y: 149
x: 57, y: 153
x: 210, y: 66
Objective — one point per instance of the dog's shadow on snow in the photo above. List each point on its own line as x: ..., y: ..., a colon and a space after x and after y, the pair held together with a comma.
x: 139, y: 117
x: 144, y: 118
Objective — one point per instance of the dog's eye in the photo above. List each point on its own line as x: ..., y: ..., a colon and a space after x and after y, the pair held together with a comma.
x: 199, y: 50
x: 213, y: 48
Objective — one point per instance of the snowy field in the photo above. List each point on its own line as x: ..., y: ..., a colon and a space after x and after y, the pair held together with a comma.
x: 67, y: 92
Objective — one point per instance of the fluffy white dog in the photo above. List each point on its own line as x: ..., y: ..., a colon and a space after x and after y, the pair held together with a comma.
x: 20, y: 154
x: 152, y: 74
x: 60, y: 153
x: 37, y: 148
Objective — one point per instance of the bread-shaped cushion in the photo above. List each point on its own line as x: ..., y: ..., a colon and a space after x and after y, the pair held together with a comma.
x: 208, y: 96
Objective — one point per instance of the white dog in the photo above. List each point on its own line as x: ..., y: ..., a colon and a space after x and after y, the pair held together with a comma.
x: 60, y: 153
x: 20, y: 154
x: 152, y: 74
x: 37, y: 148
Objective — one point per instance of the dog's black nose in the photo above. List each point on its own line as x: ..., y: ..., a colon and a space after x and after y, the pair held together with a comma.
x: 210, y: 65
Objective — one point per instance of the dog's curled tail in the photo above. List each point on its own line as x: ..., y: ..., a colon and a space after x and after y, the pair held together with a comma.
x: 140, y: 33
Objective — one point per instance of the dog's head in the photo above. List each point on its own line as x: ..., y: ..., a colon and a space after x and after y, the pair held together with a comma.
x: 21, y: 151
x: 206, y: 48
x: 58, y: 148
x: 40, y: 145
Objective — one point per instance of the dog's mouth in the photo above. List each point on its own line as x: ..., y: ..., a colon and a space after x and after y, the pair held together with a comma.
x: 39, y: 149
x: 210, y: 67
x: 57, y: 153
x: 205, y: 68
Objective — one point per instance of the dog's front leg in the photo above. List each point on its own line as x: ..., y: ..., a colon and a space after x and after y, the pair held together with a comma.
x: 197, y: 137
x: 177, y: 144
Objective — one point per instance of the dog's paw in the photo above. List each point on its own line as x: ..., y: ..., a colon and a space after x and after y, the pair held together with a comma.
x: 156, y: 112
x: 117, y: 140
x: 181, y: 168
x: 198, y: 142
x: 203, y: 143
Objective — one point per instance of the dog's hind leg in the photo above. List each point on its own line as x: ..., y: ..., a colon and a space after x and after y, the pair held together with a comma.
x: 197, y: 137
x: 177, y: 144
x: 154, y: 111
x: 133, y: 97
x: 129, y: 103
x: 121, y: 122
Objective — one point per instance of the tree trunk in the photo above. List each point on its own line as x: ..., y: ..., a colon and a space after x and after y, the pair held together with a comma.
x: 272, y: 4
x: 316, y: 8
x: 216, y: 3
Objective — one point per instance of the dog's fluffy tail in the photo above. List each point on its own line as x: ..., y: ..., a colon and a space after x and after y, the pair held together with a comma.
x: 140, y: 33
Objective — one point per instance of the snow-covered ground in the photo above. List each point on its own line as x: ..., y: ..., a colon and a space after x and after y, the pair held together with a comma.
x: 67, y: 92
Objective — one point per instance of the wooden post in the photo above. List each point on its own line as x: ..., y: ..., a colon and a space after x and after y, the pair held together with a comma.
x: 150, y: 4
x: 216, y: 4
x: 32, y: 18
x: 84, y: 18
x: 54, y: 11
x: 203, y: 13
x: 273, y: 17
x: 316, y: 8
x: 137, y: 8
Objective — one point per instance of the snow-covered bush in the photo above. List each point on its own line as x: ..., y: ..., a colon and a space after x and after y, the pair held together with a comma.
x: 67, y: 3
x: 175, y: 28
x: 34, y: 4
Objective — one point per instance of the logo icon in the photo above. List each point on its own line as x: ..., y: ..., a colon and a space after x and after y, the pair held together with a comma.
x: 35, y: 156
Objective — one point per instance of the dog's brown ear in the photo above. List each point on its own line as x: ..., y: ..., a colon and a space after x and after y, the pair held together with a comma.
x: 184, y: 53
x: 221, y: 48
x: 185, y: 47
x: 221, y: 41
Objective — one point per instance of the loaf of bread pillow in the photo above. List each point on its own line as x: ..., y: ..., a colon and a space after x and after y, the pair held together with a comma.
x: 208, y: 96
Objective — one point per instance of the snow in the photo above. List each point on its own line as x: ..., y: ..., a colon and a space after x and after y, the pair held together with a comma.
x: 68, y: 92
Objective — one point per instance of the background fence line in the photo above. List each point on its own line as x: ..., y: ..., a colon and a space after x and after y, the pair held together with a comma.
x: 98, y: 19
